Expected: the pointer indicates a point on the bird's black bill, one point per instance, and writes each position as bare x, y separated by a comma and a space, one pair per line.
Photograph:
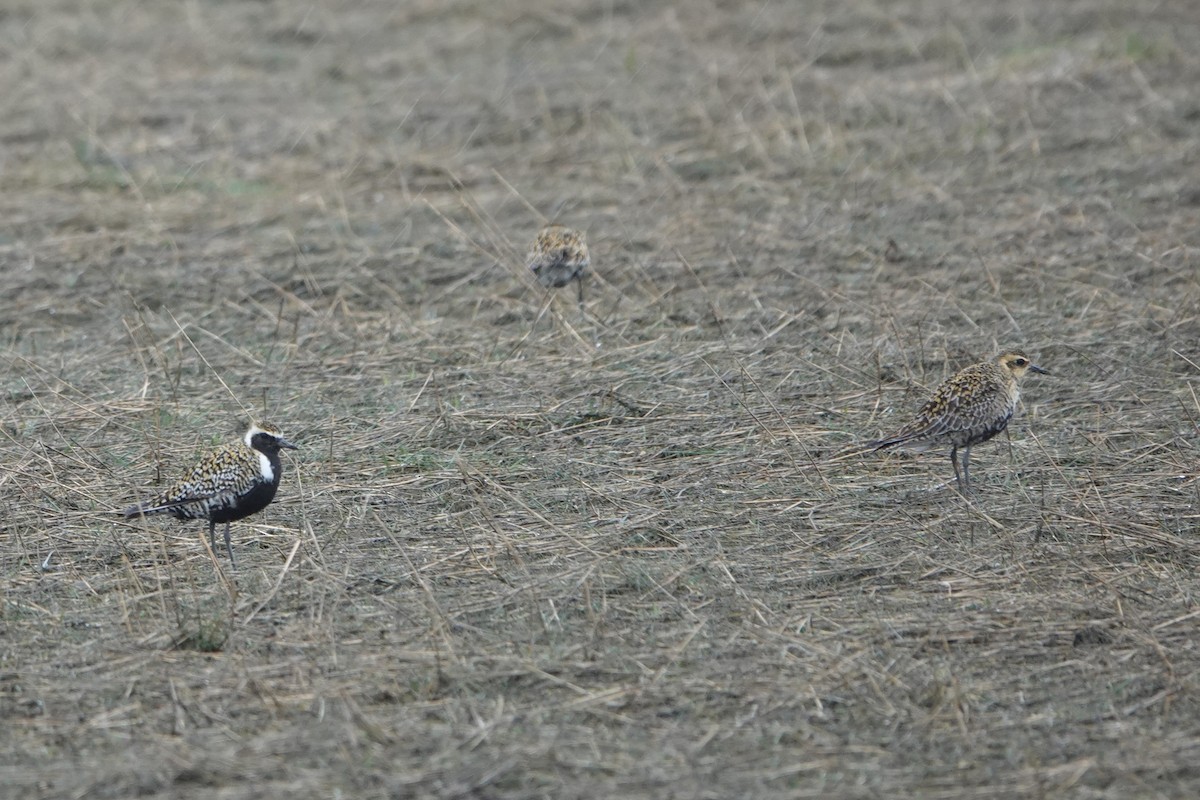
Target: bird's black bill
284, 443
1038, 370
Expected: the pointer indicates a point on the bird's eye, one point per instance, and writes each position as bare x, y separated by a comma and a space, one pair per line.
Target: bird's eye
1020, 362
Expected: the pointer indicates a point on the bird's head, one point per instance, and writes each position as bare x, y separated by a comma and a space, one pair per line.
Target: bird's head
266, 438
1017, 364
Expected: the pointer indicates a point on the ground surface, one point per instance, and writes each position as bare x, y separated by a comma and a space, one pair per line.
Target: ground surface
526, 551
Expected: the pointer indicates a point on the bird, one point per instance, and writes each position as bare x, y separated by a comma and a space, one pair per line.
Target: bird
231, 483
558, 256
970, 407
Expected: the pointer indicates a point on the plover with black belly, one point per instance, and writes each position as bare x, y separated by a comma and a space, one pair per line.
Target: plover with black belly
231, 483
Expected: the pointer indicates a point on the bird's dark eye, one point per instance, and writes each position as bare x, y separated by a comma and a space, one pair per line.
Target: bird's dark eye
1020, 362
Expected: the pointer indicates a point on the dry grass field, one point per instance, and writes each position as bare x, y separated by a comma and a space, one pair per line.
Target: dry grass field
528, 550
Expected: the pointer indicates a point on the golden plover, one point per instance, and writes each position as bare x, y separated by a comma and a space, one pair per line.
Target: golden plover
231, 483
970, 407
558, 256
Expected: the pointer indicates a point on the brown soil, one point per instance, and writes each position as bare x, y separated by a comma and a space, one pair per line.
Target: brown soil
533, 551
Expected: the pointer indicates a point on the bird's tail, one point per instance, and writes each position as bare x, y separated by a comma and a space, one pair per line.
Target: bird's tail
883, 444
862, 448
857, 449
148, 507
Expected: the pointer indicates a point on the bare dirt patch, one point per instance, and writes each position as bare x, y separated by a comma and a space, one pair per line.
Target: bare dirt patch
529, 551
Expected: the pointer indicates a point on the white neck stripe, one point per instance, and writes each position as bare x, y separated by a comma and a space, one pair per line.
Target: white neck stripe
265, 463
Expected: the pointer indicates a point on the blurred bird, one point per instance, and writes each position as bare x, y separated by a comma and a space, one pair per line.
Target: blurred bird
231, 483
970, 407
558, 256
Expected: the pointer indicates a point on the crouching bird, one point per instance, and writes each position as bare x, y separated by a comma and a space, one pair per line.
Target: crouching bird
231, 483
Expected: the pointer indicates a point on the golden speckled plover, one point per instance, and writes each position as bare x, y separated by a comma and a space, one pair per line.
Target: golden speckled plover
970, 407
558, 256
231, 483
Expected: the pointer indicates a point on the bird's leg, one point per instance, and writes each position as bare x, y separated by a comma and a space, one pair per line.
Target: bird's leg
229, 549
212, 535
954, 461
967, 466
579, 280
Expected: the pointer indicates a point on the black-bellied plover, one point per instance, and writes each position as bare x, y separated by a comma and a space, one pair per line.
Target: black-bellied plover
231, 483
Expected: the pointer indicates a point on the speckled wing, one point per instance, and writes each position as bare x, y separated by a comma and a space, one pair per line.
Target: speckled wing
972, 410
973, 405
216, 482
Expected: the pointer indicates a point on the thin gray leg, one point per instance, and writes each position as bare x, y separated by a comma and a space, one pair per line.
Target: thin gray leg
212, 535
967, 466
954, 461
229, 549
580, 281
